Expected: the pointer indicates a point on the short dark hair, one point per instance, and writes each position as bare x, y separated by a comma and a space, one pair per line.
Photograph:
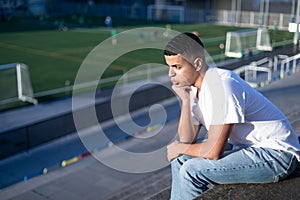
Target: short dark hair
181, 43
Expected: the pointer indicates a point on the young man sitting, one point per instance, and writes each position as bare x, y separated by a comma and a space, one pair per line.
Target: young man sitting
265, 146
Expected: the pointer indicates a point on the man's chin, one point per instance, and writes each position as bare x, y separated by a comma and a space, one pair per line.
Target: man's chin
183, 84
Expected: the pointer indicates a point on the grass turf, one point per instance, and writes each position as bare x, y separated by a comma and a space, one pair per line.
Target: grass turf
54, 56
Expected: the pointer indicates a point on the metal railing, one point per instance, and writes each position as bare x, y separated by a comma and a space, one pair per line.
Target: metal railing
267, 70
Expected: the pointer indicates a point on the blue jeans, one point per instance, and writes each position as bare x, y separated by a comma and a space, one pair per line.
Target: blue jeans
192, 176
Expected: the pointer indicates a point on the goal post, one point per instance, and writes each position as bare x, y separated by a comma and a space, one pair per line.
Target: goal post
15, 84
243, 42
166, 13
263, 40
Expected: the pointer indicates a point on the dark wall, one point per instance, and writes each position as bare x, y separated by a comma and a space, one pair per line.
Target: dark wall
32, 135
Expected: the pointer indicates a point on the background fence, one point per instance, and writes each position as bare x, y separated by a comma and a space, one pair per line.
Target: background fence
244, 18
138, 10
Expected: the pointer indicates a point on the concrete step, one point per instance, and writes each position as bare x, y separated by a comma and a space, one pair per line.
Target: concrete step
152, 187
163, 194
285, 190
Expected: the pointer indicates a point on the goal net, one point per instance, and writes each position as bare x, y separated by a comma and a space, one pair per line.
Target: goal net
245, 42
15, 84
166, 13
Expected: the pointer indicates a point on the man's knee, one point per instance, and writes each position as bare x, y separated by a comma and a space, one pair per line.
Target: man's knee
190, 169
198, 168
192, 178
179, 161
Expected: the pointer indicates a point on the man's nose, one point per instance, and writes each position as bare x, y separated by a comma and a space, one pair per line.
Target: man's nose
171, 72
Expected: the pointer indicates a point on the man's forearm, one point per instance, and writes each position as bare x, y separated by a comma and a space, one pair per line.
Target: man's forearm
186, 130
212, 148
202, 150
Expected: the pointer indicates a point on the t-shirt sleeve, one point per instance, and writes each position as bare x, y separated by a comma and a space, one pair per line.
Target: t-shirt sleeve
235, 108
229, 107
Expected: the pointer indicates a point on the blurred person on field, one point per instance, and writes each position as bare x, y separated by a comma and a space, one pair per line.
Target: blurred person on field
108, 21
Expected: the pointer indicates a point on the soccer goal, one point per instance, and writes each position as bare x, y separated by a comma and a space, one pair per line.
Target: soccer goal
165, 13
246, 42
15, 84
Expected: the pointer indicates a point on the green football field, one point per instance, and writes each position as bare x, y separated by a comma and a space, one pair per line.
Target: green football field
55, 56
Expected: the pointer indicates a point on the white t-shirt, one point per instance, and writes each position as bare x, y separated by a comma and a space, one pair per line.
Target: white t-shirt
225, 98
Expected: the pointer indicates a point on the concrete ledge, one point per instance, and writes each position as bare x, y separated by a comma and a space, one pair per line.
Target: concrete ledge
287, 189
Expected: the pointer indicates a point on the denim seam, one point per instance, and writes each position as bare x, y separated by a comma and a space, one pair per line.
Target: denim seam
285, 173
240, 166
276, 178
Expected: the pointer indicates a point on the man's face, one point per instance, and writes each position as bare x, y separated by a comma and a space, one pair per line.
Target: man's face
181, 72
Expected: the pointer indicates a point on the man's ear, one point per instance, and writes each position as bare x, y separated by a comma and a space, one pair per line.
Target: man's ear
198, 63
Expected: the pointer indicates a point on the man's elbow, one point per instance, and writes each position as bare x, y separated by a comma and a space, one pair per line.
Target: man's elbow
186, 140
212, 157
